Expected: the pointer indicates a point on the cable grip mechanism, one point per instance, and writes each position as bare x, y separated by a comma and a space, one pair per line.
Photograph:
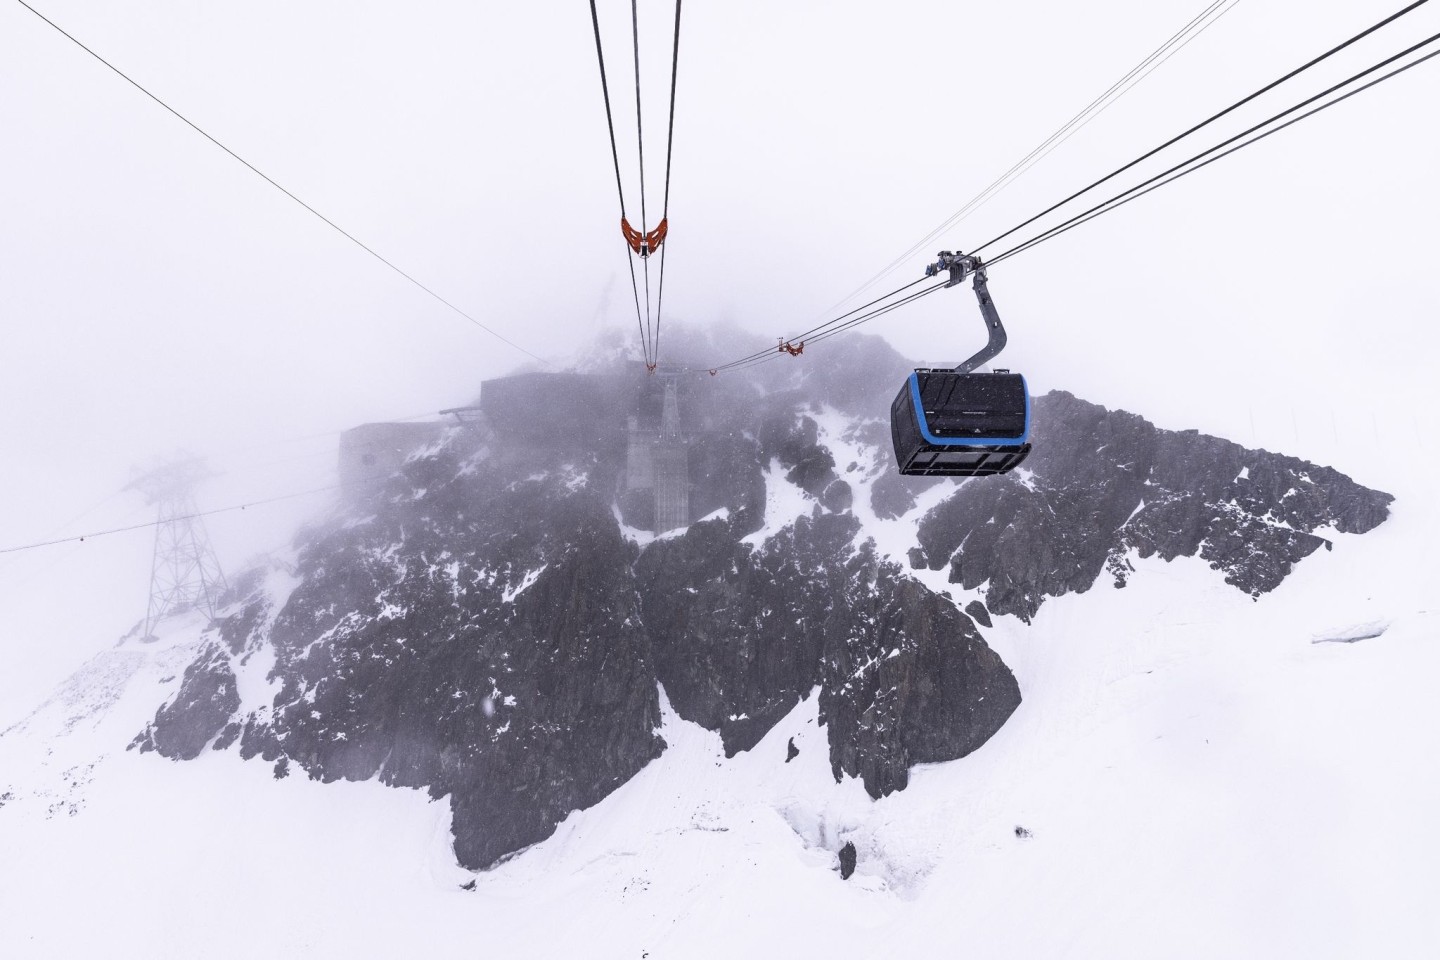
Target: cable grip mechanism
960, 266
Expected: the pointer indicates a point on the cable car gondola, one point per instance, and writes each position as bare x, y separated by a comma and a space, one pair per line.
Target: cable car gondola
958, 423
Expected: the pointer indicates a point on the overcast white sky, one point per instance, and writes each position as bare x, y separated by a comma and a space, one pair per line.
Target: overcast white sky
154, 294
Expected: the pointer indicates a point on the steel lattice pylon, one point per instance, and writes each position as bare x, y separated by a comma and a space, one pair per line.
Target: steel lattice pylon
184, 574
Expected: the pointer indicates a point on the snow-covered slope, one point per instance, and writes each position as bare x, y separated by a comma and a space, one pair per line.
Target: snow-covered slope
1199, 777
1194, 770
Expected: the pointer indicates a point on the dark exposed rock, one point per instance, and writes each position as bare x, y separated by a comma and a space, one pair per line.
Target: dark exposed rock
206, 701
978, 613
791, 751
847, 860
837, 497
727, 473
737, 631
1108, 482
893, 495
797, 447
239, 631
909, 680
481, 640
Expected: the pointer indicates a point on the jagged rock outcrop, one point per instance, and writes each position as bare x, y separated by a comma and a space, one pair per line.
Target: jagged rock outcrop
485, 626
739, 631
847, 860
1102, 483
206, 703
907, 680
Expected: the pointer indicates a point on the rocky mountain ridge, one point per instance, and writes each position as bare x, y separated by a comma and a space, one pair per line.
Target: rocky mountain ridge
488, 624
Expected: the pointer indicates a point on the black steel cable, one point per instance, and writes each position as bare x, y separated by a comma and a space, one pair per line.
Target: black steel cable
830, 329
609, 119
639, 114
191, 516
864, 318
1204, 123
619, 183
1172, 175
1074, 125
823, 326
660, 299
640, 146
878, 313
635, 290
1121, 199
992, 188
645, 267
670, 137
1140, 189
1256, 139
669, 154
767, 356
341, 230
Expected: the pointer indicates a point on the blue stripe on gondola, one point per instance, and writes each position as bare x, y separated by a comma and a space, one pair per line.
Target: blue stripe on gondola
965, 441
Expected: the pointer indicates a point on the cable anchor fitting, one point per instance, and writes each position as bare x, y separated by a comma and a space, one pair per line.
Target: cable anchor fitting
791, 348
644, 244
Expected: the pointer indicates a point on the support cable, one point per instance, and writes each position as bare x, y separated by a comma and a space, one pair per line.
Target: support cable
609, 118
639, 114
1159, 180
189, 516
831, 329
669, 153
659, 300
341, 230
1074, 125
640, 146
670, 136
816, 329
619, 183
635, 291
1169, 48
1204, 123
863, 318
1184, 169
866, 318
835, 327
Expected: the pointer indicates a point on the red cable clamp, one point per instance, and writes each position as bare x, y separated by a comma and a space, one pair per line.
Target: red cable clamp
644, 244
793, 349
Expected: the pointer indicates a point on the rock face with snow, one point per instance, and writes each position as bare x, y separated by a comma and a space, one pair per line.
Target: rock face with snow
487, 625
477, 635
1102, 483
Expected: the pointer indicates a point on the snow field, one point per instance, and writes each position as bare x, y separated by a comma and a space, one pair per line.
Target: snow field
1199, 777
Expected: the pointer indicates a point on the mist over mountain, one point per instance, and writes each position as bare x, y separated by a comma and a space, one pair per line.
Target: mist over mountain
497, 610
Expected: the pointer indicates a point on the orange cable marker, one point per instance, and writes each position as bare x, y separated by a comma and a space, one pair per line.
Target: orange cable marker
644, 244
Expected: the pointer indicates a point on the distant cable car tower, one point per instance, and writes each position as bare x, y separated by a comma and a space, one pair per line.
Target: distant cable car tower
184, 574
671, 458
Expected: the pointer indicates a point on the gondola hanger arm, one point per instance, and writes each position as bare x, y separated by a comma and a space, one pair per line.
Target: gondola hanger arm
960, 266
